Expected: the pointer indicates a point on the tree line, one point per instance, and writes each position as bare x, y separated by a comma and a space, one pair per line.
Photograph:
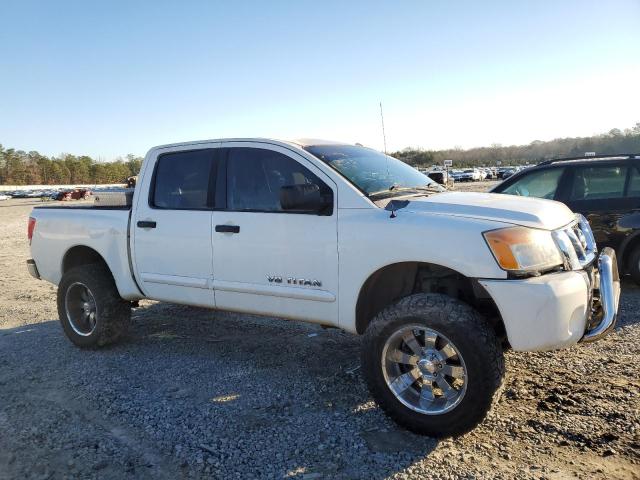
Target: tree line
614, 141
18, 167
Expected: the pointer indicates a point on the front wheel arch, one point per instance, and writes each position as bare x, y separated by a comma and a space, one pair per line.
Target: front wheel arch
393, 282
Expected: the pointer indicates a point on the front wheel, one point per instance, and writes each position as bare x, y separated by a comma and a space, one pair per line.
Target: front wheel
433, 364
90, 308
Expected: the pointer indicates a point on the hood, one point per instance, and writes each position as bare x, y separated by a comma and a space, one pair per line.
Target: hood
525, 211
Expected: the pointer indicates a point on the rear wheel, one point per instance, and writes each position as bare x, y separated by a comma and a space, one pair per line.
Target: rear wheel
91, 311
433, 364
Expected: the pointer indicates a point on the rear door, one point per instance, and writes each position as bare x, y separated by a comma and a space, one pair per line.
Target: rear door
267, 260
603, 193
172, 228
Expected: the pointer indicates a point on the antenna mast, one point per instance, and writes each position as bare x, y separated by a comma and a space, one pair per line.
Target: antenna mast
384, 138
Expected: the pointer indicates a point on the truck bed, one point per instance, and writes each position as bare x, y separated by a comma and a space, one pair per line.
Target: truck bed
104, 230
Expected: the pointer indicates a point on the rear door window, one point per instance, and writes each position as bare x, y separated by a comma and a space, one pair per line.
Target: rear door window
182, 180
633, 190
540, 184
594, 183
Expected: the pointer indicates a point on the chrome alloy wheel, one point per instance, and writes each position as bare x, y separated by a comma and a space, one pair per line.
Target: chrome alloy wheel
81, 309
424, 370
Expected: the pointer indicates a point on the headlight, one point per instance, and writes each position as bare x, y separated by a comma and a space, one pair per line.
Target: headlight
521, 249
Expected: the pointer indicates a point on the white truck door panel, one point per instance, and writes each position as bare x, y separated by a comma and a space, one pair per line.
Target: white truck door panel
268, 261
172, 230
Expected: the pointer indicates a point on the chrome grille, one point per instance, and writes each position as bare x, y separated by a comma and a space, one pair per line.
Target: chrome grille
576, 243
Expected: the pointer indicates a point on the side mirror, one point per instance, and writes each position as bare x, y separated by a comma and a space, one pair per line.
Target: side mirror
305, 197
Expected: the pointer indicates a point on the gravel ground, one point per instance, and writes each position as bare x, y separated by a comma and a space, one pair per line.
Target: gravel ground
192, 393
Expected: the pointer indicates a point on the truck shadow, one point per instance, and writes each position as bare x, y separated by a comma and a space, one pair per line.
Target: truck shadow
292, 392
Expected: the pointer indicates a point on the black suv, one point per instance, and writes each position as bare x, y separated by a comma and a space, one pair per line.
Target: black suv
604, 188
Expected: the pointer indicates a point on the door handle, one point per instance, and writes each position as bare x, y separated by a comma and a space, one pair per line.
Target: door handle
146, 224
228, 228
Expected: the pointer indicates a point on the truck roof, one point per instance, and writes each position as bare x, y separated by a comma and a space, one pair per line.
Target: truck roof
300, 142
592, 158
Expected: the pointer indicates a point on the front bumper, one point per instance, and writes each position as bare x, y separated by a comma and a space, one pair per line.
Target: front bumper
607, 290
559, 309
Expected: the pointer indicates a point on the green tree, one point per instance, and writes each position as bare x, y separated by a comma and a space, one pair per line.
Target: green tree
21, 168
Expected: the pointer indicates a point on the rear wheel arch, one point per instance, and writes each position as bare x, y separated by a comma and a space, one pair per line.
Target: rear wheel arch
81, 255
392, 282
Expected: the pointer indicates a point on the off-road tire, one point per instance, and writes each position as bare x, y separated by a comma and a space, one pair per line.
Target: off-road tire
469, 332
113, 313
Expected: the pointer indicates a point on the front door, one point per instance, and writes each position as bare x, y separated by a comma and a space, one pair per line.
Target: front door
267, 260
172, 229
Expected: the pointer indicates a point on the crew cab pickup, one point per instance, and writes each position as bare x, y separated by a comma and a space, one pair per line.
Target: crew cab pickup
438, 283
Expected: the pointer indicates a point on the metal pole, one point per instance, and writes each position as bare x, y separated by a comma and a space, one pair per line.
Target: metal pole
384, 137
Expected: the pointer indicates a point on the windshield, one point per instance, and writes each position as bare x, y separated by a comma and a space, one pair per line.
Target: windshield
369, 170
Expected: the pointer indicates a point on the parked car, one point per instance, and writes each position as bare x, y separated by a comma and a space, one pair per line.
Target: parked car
605, 189
4, 197
470, 175
75, 194
438, 283
441, 177
20, 194
506, 173
489, 173
456, 175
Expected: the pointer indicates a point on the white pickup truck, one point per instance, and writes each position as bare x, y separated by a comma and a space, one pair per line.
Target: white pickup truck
438, 283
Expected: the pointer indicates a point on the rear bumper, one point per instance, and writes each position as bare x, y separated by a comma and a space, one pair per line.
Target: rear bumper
559, 309
33, 269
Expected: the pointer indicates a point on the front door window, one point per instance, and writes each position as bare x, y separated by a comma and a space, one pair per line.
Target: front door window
541, 184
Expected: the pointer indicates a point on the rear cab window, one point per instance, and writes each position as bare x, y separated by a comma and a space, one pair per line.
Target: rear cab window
181, 180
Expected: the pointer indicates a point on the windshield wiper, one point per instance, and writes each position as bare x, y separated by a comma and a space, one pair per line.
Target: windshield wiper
395, 190
430, 188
